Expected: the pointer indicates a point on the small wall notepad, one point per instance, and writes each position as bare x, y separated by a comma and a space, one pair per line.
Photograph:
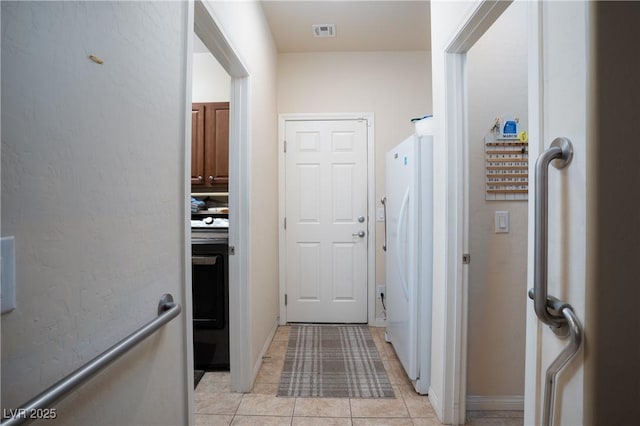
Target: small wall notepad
507, 169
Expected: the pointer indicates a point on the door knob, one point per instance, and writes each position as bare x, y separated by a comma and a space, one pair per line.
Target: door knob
360, 234
361, 219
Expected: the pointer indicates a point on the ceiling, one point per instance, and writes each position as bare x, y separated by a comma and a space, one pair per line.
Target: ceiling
361, 25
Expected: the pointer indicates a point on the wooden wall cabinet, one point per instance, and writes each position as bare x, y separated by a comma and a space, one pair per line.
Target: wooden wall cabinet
210, 147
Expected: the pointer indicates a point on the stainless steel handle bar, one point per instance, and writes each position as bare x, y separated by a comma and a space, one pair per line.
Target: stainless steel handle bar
575, 333
560, 153
555, 313
167, 310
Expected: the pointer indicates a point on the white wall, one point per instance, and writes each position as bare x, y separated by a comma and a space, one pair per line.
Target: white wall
395, 86
245, 26
210, 83
93, 189
496, 84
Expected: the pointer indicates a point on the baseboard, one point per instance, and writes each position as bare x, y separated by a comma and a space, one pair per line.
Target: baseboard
495, 403
263, 351
435, 403
378, 322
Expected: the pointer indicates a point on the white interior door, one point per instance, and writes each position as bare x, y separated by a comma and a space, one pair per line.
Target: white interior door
326, 221
562, 96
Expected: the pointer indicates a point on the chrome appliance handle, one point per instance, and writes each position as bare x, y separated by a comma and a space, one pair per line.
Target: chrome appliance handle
203, 260
403, 278
559, 154
384, 206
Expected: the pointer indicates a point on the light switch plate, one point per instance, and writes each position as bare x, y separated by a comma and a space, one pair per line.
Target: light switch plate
8, 265
502, 222
380, 214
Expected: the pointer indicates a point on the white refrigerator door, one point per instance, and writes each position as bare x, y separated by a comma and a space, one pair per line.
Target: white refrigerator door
402, 251
425, 265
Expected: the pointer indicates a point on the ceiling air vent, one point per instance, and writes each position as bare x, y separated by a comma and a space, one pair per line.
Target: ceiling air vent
324, 30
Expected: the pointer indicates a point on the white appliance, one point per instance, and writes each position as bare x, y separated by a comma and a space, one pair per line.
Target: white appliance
409, 249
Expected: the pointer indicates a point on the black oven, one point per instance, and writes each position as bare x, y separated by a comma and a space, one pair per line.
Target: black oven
210, 294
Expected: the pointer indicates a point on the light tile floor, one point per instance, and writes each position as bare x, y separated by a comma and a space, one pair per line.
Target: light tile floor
217, 405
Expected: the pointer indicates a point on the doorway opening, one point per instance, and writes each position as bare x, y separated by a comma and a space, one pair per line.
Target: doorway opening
208, 31
497, 164
211, 89
453, 353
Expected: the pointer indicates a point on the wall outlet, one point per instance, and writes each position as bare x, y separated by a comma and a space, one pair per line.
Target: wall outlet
381, 290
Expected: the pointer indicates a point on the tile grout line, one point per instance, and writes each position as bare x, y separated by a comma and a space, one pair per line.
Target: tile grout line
235, 413
293, 412
350, 412
405, 404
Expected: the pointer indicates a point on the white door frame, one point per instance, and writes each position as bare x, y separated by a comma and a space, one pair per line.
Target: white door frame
186, 257
371, 203
205, 24
454, 354
536, 147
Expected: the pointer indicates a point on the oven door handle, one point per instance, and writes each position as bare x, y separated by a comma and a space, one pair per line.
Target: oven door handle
204, 260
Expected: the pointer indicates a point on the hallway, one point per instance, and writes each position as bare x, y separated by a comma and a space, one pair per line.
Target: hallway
216, 405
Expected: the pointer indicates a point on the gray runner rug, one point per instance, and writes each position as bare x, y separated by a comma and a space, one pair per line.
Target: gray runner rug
336, 361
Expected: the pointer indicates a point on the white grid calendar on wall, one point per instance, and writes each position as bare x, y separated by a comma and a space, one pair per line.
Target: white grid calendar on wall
507, 169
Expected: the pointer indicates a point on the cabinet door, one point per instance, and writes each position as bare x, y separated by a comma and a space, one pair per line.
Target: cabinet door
197, 144
221, 149
217, 145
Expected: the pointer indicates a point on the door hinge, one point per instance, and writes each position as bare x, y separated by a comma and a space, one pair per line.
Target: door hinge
285, 300
285, 147
232, 250
466, 258
285, 223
